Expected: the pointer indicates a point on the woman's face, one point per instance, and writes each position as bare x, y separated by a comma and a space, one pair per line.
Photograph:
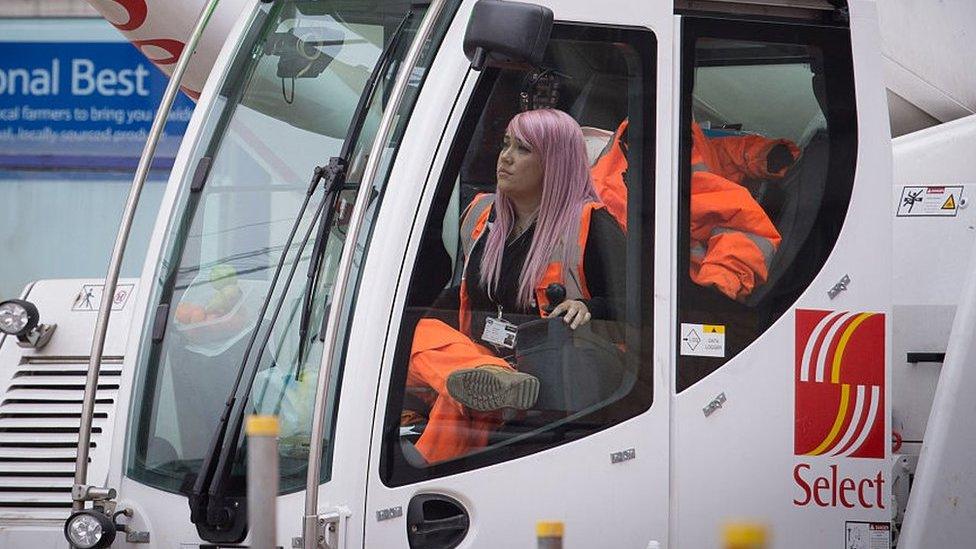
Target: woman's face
519, 170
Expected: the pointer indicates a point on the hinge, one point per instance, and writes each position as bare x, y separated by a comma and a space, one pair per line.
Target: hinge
159, 322
841, 286
327, 530
200, 174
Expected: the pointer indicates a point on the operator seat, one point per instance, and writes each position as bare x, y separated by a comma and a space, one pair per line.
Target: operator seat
794, 204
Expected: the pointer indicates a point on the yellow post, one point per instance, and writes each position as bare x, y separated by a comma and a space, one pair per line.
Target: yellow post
549, 534
262, 479
744, 535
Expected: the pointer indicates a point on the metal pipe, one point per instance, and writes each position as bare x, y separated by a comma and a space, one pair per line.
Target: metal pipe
344, 271
262, 479
115, 265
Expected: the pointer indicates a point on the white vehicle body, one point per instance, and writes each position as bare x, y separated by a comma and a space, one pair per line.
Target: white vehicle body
669, 474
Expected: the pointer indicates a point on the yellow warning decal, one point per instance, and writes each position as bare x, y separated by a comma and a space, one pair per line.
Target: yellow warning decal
950, 203
713, 328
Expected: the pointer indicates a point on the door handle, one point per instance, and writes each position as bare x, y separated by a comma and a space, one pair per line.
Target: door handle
436, 521
432, 526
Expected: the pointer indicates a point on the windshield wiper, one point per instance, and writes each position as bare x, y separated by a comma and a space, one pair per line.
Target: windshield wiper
335, 182
219, 518
216, 519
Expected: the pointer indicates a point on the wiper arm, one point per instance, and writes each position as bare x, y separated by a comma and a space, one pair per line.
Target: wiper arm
220, 519
216, 522
335, 182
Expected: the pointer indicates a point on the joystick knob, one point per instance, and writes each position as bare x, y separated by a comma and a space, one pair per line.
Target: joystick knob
556, 294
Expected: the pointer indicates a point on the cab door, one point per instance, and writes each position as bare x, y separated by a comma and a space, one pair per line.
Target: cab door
593, 452
792, 351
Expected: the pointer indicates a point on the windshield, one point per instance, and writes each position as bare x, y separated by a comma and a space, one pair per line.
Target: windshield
285, 107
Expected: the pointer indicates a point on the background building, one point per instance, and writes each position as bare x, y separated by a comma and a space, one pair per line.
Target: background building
76, 103
46, 8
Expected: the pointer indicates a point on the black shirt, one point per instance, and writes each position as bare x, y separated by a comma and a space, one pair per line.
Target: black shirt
603, 264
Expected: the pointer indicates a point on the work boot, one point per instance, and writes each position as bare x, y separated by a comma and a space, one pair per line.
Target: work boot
488, 388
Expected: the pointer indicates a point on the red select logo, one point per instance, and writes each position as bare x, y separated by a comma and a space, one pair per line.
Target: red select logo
839, 384
833, 489
839, 409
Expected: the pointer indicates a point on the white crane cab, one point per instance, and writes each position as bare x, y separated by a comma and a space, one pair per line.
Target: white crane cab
754, 393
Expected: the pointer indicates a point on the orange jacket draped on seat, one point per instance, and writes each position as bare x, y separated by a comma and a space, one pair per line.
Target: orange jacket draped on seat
732, 238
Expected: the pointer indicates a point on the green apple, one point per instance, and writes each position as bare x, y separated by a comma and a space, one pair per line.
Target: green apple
223, 276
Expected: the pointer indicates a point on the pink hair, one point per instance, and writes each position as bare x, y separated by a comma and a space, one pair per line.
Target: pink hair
566, 187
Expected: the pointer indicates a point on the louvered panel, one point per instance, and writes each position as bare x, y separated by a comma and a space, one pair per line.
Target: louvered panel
54, 497
11, 502
38, 455
39, 422
39, 437
74, 387
8, 407
76, 360
40, 396
40, 412
63, 369
73, 382
19, 483
20, 469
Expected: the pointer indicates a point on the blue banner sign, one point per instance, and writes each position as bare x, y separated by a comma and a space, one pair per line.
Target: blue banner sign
82, 105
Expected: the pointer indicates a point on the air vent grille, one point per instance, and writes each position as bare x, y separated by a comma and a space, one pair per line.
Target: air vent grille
40, 413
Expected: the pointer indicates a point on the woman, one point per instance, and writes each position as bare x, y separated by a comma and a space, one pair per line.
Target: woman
544, 226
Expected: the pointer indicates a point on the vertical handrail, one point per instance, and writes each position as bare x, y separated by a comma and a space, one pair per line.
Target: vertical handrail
79, 493
344, 271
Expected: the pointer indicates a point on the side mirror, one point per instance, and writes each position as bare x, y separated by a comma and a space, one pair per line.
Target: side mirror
502, 33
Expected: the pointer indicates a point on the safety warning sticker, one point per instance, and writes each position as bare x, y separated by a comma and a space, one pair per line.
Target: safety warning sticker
929, 201
90, 297
702, 340
867, 535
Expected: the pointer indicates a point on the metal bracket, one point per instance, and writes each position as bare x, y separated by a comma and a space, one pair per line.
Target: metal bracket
136, 537
714, 405
902, 475
85, 492
330, 530
37, 338
839, 287
390, 513
626, 455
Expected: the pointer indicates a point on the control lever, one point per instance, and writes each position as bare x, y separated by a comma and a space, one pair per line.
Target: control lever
556, 294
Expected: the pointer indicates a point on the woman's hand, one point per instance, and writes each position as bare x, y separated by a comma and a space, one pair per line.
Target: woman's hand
576, 313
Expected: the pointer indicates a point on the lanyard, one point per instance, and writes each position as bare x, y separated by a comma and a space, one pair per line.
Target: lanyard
491, 298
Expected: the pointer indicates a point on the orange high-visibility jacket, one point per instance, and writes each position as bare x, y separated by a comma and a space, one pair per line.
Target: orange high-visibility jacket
732, 238
438, 350
571, 274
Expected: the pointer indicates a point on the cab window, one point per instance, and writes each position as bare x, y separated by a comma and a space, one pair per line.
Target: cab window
559, 384
767, 161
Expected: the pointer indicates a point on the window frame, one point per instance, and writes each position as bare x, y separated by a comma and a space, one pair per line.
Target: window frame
229, 99
394, 469
834, 41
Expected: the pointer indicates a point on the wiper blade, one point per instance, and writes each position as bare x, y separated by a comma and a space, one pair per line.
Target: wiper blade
335, 182
220, 519
215, 521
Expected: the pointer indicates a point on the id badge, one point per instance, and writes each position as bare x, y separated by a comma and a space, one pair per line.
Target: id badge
500, 332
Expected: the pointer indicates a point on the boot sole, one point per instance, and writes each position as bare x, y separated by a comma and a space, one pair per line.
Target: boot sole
486, 391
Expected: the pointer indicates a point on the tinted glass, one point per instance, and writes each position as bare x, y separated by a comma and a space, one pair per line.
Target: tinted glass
767, 165
587, 379
285, 108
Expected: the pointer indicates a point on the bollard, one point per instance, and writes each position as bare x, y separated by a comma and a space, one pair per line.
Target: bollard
744, 535
549, 534
262, 479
